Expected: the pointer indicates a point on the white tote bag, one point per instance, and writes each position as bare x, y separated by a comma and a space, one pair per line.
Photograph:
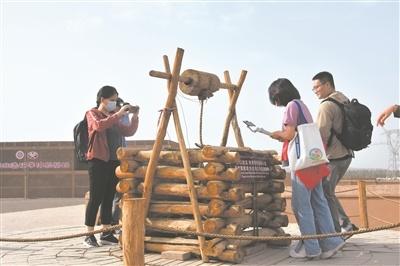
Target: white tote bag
306, 148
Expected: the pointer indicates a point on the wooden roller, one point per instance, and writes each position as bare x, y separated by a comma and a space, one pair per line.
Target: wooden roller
195, 81
198, 82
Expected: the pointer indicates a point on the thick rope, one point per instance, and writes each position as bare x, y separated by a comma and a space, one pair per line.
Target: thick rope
271, 238
346, 190
201, 122
239, 237
55, 238
341, 191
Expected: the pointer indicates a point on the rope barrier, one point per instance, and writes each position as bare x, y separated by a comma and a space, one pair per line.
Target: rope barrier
346, 190
341, 191
381, 197
56, 238
378, 219
213, 235
272, 238
239, 237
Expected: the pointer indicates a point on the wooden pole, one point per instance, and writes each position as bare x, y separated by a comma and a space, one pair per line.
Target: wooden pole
189, 176
162, 129
133, 231
234, 122
362, 203
232, 107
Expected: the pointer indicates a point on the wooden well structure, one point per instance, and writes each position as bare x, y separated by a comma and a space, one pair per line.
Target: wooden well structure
214, 189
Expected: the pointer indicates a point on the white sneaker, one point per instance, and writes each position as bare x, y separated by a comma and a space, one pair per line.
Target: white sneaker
332, 252
347, 228
298, 251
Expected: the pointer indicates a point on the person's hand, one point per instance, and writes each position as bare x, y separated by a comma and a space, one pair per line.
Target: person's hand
384, 115
277, 135
135, 109
123, 111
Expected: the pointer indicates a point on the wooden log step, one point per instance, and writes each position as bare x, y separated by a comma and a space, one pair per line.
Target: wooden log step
215, 208
235, 256
236, 243
127, 184
262, 201
280, 243
175, 158
253, 249
126, 153
182, 190
176, 255
257, 153
214, 168
278, 173
129, 165
276, 205
215, 188
230, 229
213, 247
178, 173
278, 221
270, 186
213, 151
172, 240
247, 220
211, 225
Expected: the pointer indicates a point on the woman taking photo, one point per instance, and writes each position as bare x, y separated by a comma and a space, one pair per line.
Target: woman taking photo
105, 137
309, 205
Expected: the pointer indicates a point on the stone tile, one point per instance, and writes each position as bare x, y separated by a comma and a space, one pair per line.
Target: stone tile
107, 262
382, 250
41, 262
384, 259
13, 260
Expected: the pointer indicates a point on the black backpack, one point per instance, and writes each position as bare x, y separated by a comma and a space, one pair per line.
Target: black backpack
81, 140
357, 128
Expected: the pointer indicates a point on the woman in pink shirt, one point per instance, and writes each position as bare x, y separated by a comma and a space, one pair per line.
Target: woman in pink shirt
309, 205
106, 132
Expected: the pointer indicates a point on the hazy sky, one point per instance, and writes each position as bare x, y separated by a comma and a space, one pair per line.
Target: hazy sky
55, 55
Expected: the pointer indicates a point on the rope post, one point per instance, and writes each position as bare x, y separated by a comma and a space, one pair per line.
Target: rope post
362, 203
133, 231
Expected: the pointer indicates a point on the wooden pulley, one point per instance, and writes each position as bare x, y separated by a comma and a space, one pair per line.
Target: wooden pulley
198, 83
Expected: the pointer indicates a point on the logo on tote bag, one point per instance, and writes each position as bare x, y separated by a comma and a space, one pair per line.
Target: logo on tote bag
315, 154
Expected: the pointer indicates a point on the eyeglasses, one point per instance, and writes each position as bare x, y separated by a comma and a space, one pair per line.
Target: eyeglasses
318, 86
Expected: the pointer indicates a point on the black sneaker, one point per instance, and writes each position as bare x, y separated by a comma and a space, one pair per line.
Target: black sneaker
90, 241
355, 228
350, 227
108, 239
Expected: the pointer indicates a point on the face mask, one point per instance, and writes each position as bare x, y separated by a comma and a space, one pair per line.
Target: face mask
111, 105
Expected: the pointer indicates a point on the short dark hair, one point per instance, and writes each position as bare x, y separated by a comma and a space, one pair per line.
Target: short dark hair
282, 91
105, 92
120, 102
325, 76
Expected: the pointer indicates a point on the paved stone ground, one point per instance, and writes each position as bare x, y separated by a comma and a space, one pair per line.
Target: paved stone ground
377, 248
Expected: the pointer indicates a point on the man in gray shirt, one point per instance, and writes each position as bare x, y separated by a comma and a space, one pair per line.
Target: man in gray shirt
329, 120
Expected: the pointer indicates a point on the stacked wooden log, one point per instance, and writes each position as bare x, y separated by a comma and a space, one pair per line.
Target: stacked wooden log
238, 190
